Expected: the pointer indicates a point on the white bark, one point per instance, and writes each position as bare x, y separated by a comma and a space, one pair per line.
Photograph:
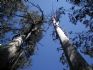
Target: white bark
14, 46
75, 60
61, 34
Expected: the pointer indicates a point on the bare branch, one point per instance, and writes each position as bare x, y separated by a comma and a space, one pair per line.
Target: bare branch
38, 7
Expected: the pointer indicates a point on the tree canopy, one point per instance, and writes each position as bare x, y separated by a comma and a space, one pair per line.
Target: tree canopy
21, 28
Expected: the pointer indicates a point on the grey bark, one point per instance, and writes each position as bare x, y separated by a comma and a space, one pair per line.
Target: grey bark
10, 52
74, 58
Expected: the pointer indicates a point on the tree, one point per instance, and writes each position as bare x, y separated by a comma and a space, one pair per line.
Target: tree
85, 16
75, 60
23, 43
14, 54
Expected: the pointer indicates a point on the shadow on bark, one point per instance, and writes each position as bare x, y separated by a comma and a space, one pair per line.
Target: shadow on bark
22, 46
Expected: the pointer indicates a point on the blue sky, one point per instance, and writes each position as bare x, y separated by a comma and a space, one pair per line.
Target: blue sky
47, 57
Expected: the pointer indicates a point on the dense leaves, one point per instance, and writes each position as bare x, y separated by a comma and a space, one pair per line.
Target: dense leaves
83, 15
16, 20
8, 10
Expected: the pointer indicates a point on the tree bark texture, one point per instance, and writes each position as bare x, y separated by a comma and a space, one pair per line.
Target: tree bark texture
75, 60
9, 53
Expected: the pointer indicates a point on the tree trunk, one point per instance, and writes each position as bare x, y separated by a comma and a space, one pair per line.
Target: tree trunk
75, 60
9, 53
12, 52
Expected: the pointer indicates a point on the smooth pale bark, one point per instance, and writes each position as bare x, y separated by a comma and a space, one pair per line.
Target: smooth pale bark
10, 52
14, 46
75, 60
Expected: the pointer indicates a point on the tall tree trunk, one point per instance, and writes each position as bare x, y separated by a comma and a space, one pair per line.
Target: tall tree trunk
10, 53
75, 60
